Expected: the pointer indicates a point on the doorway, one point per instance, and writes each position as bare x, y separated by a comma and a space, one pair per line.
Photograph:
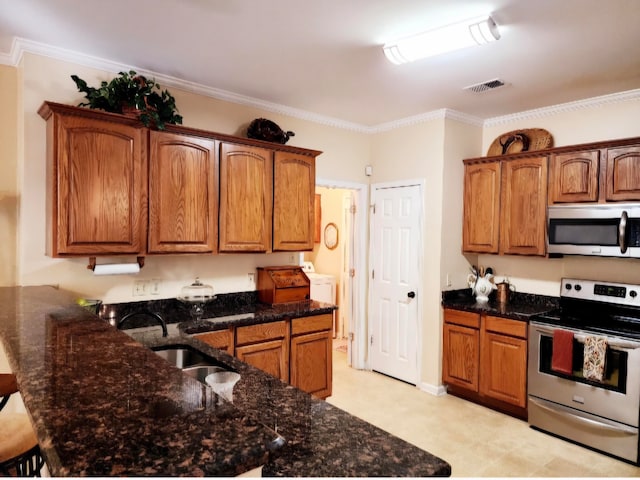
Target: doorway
344, 205
396, 282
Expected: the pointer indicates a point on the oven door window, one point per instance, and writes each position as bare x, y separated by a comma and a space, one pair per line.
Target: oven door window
615, 375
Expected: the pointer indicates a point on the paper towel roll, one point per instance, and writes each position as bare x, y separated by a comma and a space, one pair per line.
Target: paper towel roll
116, 269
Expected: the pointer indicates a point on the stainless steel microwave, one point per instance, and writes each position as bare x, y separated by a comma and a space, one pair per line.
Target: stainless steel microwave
606, 230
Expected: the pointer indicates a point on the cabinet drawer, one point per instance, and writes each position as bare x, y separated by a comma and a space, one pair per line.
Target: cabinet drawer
466, 319
505, 326
261, 332
218, 339
311, 324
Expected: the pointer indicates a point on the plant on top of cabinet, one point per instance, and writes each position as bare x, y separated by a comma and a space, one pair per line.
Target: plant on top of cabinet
132, 93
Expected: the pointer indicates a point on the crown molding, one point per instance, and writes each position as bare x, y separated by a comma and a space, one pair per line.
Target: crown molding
594, 102
20, 46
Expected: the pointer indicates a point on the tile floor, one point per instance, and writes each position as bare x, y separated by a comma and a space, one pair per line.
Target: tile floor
476, 441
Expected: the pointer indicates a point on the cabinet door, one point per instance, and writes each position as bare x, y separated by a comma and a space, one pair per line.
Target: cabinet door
504, 368
573, 177
271, 357
97, 186
623, 173
293, 202
481, 219
524, 206
246, 181
461, 349
311, 363
183, 200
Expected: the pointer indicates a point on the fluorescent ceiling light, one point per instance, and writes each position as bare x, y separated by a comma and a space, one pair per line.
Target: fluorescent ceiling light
475, 31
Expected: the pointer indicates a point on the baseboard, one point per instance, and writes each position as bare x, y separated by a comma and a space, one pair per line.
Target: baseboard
437, 390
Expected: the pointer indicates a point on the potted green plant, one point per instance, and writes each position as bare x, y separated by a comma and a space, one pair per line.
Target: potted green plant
130, 93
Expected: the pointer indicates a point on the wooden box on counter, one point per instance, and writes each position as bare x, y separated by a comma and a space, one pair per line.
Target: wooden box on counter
282, 284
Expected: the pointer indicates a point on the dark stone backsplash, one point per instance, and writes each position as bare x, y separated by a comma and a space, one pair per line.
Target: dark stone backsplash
173, 310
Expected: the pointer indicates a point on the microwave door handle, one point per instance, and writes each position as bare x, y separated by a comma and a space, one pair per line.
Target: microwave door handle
622, 232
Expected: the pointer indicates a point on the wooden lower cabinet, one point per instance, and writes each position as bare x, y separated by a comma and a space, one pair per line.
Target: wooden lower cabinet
265, 346
503, 367
311, 354
461, 356
297, 351
485, 360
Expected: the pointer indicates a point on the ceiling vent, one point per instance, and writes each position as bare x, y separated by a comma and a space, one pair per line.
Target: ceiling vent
485, 86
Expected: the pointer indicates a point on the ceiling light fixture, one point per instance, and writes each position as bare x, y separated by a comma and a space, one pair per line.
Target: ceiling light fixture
475, 31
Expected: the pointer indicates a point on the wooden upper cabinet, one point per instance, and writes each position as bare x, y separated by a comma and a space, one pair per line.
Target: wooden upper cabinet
524, 206
573, 177
96, 185
481, 208
623, 174
183, 196
293, 202
246, 189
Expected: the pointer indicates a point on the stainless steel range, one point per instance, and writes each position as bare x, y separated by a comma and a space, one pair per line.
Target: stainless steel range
567, 397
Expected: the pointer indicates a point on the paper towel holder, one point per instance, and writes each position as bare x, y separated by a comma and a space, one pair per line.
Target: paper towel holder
92, 262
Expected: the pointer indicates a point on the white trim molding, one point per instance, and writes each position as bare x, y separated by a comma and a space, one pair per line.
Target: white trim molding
594, 102
20, 46
437, 390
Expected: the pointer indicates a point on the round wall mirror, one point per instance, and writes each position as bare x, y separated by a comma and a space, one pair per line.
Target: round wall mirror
331, 236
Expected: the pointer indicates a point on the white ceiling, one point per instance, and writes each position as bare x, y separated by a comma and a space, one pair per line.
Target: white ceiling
325, 56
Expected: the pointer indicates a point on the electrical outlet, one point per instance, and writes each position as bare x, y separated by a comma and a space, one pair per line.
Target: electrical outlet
252, 279
448, 280
140, 288
292, 259
154, 288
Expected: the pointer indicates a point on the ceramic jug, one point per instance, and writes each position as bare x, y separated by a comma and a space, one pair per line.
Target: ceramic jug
481, 287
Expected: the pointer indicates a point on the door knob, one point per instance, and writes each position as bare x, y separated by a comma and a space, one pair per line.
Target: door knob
411, 294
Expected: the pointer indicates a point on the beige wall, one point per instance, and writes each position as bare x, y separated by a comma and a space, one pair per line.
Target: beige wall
325, 260
344, 157
430, 152
8, 173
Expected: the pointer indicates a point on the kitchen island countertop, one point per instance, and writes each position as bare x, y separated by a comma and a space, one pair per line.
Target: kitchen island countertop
104, 404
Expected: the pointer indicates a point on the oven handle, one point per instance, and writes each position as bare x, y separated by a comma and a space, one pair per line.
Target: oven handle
570, 414
612, 342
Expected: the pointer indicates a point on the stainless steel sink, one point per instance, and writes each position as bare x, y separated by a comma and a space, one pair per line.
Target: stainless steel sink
184, 356
192, 362
200, 373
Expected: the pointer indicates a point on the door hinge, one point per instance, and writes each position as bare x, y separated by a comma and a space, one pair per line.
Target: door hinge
371, 340
352, 209
373, 274
373, 208
352, 272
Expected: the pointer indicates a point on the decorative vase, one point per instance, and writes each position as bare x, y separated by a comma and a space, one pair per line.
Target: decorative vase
481, 287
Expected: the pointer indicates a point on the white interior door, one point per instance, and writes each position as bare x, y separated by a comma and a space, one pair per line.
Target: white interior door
393, 337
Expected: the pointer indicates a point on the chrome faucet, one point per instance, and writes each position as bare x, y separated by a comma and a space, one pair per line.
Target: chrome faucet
148, 313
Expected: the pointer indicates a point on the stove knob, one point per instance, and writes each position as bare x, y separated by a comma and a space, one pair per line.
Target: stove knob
567, 286
578, 288
633, 294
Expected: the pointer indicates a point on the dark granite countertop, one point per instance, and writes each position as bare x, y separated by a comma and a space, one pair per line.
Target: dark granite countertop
104, 404
521, 306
